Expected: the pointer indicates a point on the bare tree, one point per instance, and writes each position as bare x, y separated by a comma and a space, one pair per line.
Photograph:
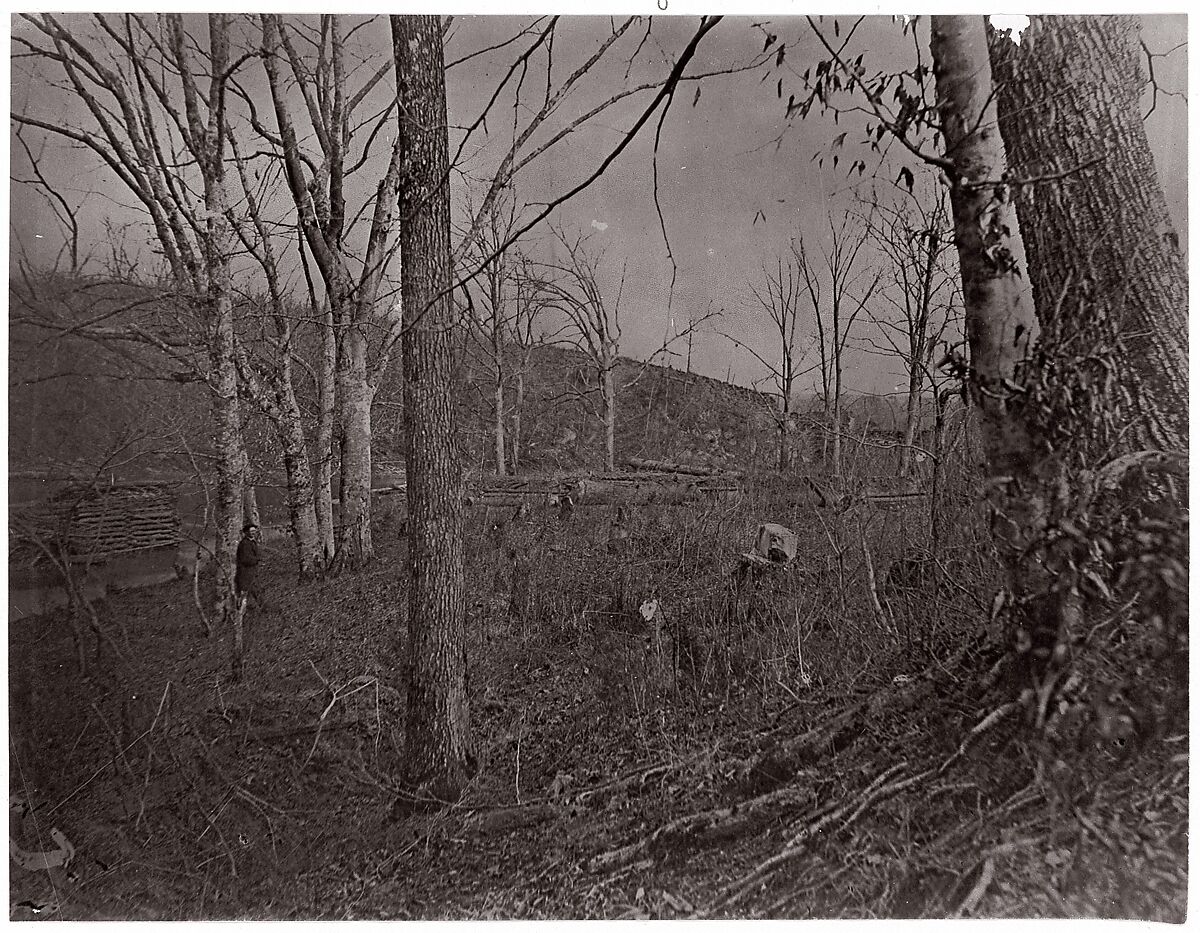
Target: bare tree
779, 298
493, 306
165, 137
66, 211
915, 237
438, 751
529, 301
267, 377
351, 281
576, 291
838, 291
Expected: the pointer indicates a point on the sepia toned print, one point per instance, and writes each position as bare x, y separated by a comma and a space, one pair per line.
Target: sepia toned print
598, 467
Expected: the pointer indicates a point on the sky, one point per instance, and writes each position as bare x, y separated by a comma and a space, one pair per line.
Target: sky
736, 181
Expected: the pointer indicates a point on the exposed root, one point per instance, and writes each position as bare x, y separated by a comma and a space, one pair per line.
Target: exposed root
720, 818
841, 818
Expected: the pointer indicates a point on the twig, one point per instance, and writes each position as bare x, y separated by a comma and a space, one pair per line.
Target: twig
690, 823
1095, 831
205, 622
875, 792
119, 753
876, 606
362, 682
797, 845
150, 759
984, 725
971, 901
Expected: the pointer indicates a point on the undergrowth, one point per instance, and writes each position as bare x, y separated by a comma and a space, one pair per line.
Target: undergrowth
659, 736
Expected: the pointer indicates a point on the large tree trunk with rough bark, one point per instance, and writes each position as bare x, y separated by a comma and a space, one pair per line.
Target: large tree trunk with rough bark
439, 758
1099, 238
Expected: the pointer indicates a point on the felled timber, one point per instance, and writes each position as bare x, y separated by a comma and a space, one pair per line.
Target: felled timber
808, 491
897, 500
647, 488
97, 523
600, 489
665, 466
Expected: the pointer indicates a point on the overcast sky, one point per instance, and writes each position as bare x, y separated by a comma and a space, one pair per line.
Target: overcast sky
736, 181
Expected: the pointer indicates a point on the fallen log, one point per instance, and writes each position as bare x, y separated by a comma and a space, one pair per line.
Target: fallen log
664, 466
601, 489
642, 488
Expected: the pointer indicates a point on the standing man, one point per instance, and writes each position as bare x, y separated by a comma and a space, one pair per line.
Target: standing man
247, 565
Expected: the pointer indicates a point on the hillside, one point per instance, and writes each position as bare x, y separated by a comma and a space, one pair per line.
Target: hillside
662, 413
78, 406
75, 406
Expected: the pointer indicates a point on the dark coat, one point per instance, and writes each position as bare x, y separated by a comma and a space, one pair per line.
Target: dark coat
247, 564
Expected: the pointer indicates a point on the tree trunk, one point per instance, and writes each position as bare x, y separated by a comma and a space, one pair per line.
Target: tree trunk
439, 758
610, 416
498, 394
837, 428
912, 413
785, 436
519, 407
323, 441
354, 539
940, 401
223, 381
1000, 320
302, 513
1100, 240
250, 513
231, 458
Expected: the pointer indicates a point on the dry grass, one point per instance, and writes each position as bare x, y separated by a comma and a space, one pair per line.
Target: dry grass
628, 770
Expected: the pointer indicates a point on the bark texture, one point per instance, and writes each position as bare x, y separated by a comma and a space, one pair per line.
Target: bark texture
1000, 319
217, 246
354, 547
438, 752
518, 409
323, 440
301, 504
498, 384
1000, 325
1099, 238
609, 391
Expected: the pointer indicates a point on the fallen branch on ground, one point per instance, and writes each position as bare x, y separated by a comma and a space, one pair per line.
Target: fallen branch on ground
839, 820
718, 818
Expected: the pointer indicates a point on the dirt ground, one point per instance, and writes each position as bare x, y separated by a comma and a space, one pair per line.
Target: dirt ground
606, 789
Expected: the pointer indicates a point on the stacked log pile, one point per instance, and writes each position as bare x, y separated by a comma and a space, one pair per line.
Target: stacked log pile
98, 523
